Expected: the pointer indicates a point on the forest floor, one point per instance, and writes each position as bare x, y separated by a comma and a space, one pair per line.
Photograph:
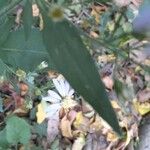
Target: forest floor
58, 118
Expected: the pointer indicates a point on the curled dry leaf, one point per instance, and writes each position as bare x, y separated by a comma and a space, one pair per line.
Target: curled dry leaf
142, 108
96, 125
35, 10
87, 109
41, 115
22, 111
112, 137
66, 122
52, 74
94, 34
108, 82
52, 128
79, 143
81, 123
23, 88
65, 126
143, 95
95, 14
72, 115
19, 101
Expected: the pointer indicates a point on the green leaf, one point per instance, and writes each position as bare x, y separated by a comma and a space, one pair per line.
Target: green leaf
27, 18
8, 8
3, 68
5, 26
40, 129
3, 141
26, 55
17, 130
3, 3
72, 59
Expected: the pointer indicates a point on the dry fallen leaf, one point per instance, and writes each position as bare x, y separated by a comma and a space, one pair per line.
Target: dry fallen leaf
35, 10
65, 126
108, 82
96, 15
52, 128
22, 111
96, 125
94, 34
23, 88
112, 137
142, 108
79, 143
143, 95
41, 115
81, 123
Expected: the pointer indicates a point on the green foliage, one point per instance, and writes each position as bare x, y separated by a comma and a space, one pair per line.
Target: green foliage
19, 53
3, 141
72, 59
27, 18
62, 47
3, 3
17, 130
7, 8
40, 129
5, 26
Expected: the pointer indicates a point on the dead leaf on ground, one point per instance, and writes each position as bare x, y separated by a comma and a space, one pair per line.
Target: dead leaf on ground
52, 128
41, 115
96, 125
81, 123
144, 95
35, 10
65, 126
79, 143
108, 82
142, 108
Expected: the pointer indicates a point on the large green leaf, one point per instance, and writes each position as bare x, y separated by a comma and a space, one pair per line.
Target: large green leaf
5, 26
72, 59
3, 68
17, 130
3, 3
19, 53
3, 141
8, 6
27, 18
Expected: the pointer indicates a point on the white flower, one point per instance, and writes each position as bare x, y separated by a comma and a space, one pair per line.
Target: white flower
61, 98
64, 89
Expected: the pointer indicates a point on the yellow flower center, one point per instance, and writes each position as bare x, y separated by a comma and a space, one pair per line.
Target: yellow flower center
56, 13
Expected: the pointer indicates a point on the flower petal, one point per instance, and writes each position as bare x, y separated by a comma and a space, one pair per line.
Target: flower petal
57, 85
67, 87
54, 95
52, 109
71, 92
62, 85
